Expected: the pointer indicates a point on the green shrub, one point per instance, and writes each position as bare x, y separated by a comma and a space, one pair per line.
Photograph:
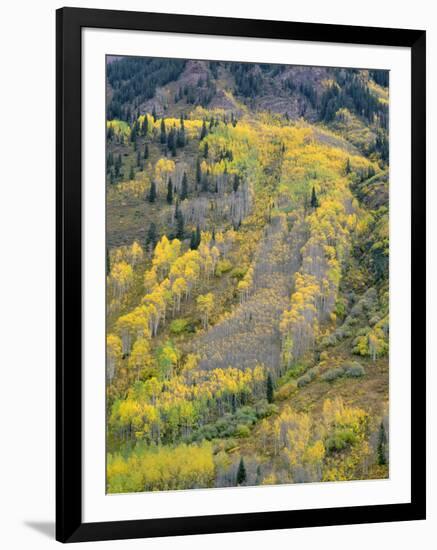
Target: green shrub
303, 381
313, 372
239, 272
242, 430
354, 370
308, 377
286, 391
223, 266
264, 409
332, 374
178, 326
340, 440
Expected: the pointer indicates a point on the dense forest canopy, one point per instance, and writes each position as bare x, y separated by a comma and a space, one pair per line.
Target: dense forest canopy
247, 274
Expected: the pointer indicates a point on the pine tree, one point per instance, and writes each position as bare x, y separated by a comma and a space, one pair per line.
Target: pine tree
138, 158
269, 389
118, 165
314, 200
180, 142
198, 173
193, 243
151, 237
132, 173
236, 183
348, 168
133, 133
170, 191
171, 142
180, 230
241, 472
145, 126
196, 237
108, 263
204, 131
154, 114
146, 151
205, 151
233, 404
381, 445
152, 192
163, 138
184, 192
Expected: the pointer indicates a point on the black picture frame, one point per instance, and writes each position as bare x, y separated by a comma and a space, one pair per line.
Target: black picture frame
69, 525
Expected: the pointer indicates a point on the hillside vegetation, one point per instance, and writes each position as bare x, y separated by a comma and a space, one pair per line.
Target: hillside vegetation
247, 274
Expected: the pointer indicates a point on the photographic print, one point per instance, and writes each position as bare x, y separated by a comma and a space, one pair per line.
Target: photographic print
247, 274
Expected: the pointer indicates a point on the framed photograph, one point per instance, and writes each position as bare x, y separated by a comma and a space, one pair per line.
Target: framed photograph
240, 275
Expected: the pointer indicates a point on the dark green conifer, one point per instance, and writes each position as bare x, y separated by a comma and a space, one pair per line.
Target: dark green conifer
152, 192
314, 199
163, 137
170, 191
108, 263
151, 237
269, 388
382, 441
204, 131
184, 191
241, 472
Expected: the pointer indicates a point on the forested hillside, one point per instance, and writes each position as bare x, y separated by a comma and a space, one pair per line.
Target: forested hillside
247, 274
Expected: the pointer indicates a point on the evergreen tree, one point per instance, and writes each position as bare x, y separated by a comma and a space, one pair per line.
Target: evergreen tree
236, 183
163, 137
198, 173
193, 241
382, 440
118, 165
108, 262
348, 168
180, 230
205, 150
138, 158
241, 472
133, 133
132, 173
314, 199
184, 192
171, 142
151, 237
152, 192
170, 191
145, 126
146, 151
212, 234
204, 131
154, 114
269, 389
180, 142
233, 404
196, 237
